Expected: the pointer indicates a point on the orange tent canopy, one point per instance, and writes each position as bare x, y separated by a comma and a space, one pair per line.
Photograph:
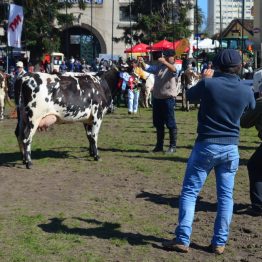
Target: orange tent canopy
177, 43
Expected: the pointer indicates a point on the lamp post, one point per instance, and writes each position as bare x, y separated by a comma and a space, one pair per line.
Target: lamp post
220, 17
150, 32
196, 19
92, 38
130, 24
242, 34
173, 24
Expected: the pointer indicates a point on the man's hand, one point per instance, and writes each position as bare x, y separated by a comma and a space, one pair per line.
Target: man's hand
162, 60
208, 73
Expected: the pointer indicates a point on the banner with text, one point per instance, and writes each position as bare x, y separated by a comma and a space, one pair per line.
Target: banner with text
15, 25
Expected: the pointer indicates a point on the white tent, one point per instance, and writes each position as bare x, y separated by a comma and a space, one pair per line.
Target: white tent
206, 43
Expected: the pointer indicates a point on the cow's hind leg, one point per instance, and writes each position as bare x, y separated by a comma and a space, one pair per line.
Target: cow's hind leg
2, 106
88, 129
1, 113
92, 135
18, 135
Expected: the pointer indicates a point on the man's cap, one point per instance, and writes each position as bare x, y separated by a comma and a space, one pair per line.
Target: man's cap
20, 64
169, 52
227, 58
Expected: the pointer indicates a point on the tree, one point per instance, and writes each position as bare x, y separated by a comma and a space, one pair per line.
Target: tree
159, 19
42, 24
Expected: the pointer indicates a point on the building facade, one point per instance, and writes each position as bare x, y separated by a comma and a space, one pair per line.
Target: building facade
257, 30
95, 27
230, 9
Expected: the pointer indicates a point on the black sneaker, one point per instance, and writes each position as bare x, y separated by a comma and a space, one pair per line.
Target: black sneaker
254, 210
157, 149
171, 150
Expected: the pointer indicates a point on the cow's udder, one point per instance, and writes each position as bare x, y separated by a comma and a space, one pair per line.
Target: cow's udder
46, 122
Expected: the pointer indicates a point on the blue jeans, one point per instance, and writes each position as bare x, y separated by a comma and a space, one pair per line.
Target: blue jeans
133, 100
205, 156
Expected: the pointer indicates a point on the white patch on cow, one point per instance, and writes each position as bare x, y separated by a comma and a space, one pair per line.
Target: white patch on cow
89, 95
97, 92
93, 90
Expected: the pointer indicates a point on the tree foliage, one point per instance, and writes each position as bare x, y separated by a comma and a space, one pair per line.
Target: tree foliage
159, 19
42, 23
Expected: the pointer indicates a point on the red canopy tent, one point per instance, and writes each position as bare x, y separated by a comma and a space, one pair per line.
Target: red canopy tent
139, 48
161, 46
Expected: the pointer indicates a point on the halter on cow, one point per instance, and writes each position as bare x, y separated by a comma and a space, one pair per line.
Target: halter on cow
43, 99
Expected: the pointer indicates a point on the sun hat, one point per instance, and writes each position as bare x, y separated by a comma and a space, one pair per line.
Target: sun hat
124, 65
20, 64
227, 58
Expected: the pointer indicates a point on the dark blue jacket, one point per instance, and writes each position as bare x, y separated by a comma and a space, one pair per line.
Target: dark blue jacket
223, 99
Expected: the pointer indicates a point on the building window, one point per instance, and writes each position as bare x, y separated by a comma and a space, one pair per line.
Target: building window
124, 14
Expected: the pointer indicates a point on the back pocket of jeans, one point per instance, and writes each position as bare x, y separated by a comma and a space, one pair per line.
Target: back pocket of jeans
232, 165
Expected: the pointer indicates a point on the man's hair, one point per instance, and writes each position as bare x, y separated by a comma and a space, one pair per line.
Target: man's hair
234, 70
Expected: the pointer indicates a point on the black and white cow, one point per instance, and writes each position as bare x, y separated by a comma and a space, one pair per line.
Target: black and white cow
43, 99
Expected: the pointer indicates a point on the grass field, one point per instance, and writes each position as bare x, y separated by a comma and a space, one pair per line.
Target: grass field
71, 208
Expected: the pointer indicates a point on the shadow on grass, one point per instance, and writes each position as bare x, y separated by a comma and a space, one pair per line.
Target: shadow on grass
11, 159
201, 205
243, 162
165, 158
121, 150
247, 147
103, 230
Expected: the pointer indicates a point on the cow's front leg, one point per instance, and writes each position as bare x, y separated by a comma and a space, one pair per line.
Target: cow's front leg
27, 153
28, 133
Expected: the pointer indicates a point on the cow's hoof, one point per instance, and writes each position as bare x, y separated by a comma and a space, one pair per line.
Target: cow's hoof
97, 158
29, 165
24, 162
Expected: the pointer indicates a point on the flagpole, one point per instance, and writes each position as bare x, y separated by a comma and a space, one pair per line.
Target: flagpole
150, 44
7, 48
67, 46
112, 43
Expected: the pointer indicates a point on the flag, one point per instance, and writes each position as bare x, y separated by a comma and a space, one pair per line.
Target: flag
15, 25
